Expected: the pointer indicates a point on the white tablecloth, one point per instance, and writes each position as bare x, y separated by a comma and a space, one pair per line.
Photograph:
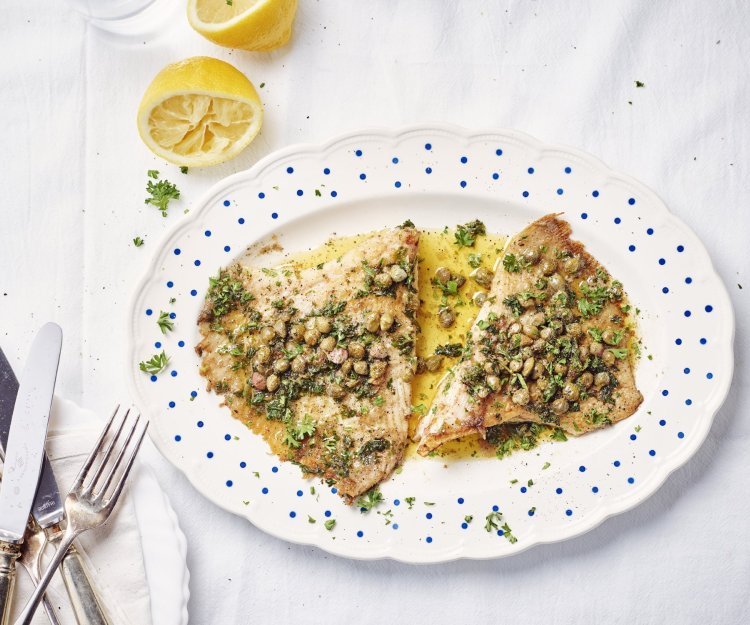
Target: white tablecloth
73, 174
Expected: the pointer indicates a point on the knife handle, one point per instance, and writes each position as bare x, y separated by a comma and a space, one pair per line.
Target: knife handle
85, 603
9, 553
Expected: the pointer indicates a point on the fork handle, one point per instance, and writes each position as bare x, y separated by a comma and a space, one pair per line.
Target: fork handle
9, 553
85, 603
28, 612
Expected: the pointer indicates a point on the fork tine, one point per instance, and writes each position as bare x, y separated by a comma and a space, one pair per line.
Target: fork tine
105, 458
124, 476
90, 460
118, 460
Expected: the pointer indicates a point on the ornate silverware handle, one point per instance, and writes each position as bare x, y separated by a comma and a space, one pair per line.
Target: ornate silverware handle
85, 603
9, 553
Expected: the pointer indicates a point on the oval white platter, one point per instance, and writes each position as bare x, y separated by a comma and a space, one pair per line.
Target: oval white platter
440, 176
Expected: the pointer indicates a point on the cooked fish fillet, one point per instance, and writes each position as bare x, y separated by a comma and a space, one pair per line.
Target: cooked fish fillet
551, 345
320, 359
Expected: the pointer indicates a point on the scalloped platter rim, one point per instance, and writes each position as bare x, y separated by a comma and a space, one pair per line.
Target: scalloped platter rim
440, 175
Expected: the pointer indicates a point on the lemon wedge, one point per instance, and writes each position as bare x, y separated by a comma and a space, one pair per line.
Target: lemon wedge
199, 112
246, 24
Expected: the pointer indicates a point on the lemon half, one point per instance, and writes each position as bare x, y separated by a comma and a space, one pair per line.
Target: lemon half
199, 112
246, 24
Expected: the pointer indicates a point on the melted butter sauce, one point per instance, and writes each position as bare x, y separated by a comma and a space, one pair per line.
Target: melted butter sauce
437, 248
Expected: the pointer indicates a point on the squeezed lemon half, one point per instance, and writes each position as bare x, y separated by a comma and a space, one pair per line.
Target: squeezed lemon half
199, 112
246, 24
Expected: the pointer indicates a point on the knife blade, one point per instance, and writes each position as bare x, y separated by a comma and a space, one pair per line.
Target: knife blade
48, 506
24, 453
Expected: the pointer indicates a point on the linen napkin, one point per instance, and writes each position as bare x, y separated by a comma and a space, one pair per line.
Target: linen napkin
112, 553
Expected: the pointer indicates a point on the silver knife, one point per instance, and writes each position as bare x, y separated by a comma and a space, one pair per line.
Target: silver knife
24, 454
48, 512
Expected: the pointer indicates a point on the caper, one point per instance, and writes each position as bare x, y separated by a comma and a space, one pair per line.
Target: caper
272, 382
536, 319
337, 356
530, 255
377, 369
560, 406
583, 352
336, 391
397, 273
446, 317
482, 392
548, 266
372, 322
361, 367
327, 344
528, 366
546, 333
521, 340
561, 368
285, 316
586, 379
281, 365
609, 337
312, 337
346, 368
596, 348
267, 334
556, 282
479, 298
601, 379
542, 383
443, 274
280, 328
521, 397
298, 364
352, 382
537, 346
527, 352
433, 363
386, 322
608, 358
538, 371
297, 331
574, 329
356, 350
531, 331
572, 264
482, 276
557, 326
263, 354
570, 391
493, 382
383, 280
323, 325
459, 280
515, 366
541, 284
514, 328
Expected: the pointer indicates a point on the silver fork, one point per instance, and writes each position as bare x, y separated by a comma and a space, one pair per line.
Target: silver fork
85, 507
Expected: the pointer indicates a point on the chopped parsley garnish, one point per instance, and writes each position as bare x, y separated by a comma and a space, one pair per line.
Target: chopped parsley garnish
153, 173
156, 364
330, 524
468, 518
183, 169
514, 264
596, 334
310, 519
296, 433
546, 466
161, 193
226, 293
492, 520
419, 409
467, 234
410, 501
514, 305
508, 533
475, 260
369, 500
450, 287
452, 350
164, 322
138, 241
639, 84
620, 353
558, 435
